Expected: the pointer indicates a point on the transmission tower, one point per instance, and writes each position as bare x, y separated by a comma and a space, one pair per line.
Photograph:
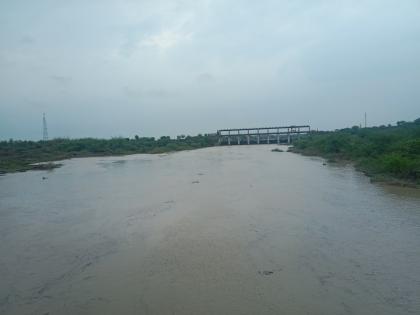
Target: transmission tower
45, 130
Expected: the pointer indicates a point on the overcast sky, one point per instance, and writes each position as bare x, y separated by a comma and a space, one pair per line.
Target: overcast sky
104, 68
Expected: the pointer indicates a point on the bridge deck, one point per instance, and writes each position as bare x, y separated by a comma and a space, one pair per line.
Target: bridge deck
267, 128
259, 135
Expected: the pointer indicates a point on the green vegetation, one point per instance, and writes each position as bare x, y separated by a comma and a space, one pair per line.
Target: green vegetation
390, 153
20, 155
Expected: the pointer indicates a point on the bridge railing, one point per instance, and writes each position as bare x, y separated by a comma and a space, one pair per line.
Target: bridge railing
259, 135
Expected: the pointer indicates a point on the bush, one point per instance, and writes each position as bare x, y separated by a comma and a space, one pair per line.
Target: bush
392, 150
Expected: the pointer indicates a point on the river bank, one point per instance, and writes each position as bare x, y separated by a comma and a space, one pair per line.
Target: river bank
373, 176
21, 156
388, 154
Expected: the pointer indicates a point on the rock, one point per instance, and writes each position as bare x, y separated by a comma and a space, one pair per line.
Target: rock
265, 272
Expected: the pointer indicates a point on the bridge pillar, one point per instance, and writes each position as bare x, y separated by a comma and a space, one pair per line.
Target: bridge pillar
274, 134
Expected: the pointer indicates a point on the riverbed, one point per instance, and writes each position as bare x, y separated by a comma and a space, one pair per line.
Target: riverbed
221, 230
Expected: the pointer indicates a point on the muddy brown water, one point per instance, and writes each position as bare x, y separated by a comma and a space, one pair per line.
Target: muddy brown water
223, 230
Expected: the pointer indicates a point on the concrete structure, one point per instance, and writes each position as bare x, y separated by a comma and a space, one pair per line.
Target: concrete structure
266, 135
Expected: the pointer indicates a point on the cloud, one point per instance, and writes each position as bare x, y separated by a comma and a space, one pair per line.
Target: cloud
205, 78
165, 39
323, 62
27, 40
151, 93
62, 80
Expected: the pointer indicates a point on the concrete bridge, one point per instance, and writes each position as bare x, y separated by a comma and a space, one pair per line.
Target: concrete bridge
264, 135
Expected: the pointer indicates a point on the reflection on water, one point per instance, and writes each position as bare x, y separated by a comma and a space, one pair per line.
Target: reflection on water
225, 230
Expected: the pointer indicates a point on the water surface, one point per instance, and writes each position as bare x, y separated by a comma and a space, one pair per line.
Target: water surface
223, 230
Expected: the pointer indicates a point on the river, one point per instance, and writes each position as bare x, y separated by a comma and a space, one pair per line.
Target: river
222, 230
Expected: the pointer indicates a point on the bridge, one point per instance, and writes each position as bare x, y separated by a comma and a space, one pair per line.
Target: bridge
264, 135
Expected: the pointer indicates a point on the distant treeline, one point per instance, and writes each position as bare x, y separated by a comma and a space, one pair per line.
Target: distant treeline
17, 155
385, 152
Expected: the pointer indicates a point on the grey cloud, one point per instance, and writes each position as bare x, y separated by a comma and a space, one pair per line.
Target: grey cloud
148, 93
205, 78
27, 40
131, 63
62, 80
